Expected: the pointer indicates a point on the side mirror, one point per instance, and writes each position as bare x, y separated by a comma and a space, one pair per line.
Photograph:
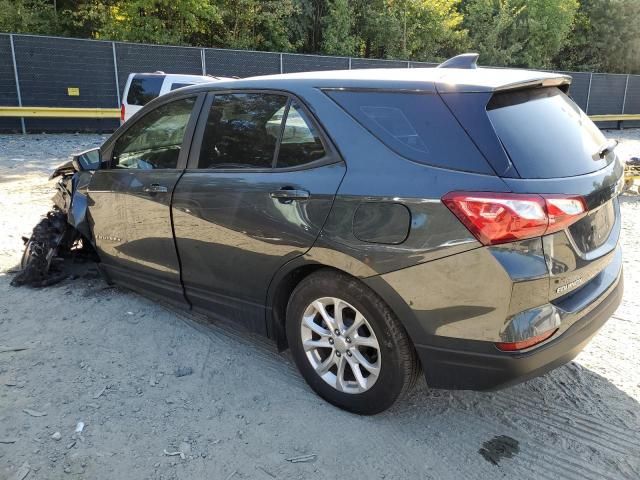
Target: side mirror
87, 160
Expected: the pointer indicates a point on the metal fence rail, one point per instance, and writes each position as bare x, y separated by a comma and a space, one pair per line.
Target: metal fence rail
48, 75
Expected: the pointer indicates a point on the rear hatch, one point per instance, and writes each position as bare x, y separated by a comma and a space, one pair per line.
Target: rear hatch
549, 146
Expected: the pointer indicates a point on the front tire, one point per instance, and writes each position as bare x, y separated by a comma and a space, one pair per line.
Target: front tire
348, 345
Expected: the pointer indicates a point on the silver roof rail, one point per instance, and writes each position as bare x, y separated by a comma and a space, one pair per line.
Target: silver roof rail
466, 60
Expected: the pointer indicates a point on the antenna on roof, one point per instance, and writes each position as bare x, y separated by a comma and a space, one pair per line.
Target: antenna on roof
466, 60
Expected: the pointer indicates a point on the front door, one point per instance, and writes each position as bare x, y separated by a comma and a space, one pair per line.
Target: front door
130, 202
262, 184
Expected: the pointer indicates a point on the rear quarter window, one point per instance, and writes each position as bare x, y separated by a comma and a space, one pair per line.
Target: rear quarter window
417, 126
144, 89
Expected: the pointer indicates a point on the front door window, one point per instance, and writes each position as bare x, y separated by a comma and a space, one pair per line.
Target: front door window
155, 140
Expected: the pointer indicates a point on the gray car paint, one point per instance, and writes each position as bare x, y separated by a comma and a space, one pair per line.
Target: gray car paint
237, 248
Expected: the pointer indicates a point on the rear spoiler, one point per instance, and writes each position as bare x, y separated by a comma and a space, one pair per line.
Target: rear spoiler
563, 82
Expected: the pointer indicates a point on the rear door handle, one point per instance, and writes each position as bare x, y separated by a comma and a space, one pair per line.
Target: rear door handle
155, 188
290, 194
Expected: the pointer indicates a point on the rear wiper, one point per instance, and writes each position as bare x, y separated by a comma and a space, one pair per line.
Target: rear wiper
607, 148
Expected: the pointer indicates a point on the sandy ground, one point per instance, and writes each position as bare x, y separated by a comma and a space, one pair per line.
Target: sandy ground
108, 358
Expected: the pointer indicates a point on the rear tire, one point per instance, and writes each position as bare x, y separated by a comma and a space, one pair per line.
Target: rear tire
348, 344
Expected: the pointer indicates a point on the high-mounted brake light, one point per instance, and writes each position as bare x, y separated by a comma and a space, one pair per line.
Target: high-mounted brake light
506, 217
122, 112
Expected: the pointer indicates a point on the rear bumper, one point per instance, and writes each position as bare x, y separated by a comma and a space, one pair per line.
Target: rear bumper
478, 365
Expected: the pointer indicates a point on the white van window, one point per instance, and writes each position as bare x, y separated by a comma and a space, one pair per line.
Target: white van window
143, 89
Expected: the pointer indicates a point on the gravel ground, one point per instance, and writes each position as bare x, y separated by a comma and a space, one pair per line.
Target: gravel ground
108, 357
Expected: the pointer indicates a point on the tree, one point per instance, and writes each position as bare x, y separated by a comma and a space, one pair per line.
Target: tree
163, 21
605, 37
27, 16
523, 33
431, 30
257, 24
338, 36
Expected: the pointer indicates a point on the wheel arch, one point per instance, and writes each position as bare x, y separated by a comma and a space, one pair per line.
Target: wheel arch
282, 285
293, 272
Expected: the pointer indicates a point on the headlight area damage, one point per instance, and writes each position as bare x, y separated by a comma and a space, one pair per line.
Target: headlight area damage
61, 234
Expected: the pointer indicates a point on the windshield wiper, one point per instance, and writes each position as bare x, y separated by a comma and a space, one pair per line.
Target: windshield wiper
607, 148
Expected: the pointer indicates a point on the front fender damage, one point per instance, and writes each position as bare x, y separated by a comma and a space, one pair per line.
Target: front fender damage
63, 232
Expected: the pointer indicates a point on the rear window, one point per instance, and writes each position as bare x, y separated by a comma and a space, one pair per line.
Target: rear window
144, 89
545, 134
417, 126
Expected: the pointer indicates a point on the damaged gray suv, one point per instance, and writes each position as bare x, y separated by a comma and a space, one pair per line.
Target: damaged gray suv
458, 221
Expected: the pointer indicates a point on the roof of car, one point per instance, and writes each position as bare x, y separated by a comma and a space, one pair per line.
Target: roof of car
441, 79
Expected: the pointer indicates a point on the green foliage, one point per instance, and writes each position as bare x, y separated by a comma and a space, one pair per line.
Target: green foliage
601, 35
27, 16
519, 32
162, 21
605, 37
338, 38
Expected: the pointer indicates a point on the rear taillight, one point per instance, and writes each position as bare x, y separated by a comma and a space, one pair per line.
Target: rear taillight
523, 344
122, 112
506, 217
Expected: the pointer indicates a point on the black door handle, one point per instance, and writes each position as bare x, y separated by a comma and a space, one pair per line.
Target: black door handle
155, 188
290, 194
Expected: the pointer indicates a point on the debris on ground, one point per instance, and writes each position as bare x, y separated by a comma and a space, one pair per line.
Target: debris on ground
22, 472
302, 458
56, 436
8, 440
97, 395
184, 371
34, 413
173, 454
12, 349
79, 427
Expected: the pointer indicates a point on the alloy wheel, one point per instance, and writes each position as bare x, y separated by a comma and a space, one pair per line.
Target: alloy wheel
340, 345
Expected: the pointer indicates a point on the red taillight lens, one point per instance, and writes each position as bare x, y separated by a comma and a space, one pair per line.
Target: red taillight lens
506, 217
528, 343
122, 112
563, 211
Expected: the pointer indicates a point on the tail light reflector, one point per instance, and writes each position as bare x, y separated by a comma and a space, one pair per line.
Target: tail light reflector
122, 113
528, 343
495, 218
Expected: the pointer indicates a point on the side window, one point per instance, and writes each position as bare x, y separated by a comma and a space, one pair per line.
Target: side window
418, 126
300, 141
242, 131
175, 86
144, 89
154, 141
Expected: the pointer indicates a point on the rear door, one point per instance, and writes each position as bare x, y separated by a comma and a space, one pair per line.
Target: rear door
130, 201
261, 182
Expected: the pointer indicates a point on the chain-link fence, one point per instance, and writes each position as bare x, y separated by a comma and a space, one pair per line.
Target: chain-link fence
39, 71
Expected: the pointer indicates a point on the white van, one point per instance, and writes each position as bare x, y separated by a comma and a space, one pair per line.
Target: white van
141, 88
